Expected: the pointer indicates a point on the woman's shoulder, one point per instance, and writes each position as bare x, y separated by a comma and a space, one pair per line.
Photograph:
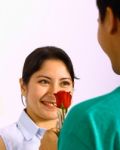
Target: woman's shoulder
10, 130
8, 134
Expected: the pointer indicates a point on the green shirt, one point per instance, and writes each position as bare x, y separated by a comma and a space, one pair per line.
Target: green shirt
93, 124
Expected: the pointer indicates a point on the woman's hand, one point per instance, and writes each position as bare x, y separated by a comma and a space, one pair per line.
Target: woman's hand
49, 140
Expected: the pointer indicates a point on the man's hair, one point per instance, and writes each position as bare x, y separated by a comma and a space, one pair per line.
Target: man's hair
113, 4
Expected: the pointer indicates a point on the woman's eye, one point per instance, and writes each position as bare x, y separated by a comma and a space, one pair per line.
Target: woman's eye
43, 82
65, 83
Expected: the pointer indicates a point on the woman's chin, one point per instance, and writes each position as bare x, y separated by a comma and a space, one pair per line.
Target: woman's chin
49, 115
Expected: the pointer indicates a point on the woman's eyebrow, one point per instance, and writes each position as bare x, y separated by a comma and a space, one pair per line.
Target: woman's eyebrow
43, 76
65, 78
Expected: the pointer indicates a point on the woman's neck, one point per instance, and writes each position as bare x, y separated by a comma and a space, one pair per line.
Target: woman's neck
47, 124
41, 122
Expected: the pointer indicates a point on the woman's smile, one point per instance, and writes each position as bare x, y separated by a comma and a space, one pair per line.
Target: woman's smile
50, 105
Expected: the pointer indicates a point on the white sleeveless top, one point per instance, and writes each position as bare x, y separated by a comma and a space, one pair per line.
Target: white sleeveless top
22, 135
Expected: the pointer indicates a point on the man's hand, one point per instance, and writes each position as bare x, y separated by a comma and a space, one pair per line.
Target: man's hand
49, 141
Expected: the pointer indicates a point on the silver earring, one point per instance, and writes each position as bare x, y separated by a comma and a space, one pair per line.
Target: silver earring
23, 101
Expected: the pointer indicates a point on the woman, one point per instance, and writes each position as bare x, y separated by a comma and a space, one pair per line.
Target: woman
46, 70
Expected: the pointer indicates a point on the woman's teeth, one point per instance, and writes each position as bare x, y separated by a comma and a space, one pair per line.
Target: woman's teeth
49, 103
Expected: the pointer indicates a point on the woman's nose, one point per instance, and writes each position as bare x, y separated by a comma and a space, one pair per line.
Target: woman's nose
54, 89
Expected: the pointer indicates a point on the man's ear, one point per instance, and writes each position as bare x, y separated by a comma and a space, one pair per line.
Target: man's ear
22, 87
111, 21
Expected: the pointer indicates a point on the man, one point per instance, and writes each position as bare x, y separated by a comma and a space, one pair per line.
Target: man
95, 124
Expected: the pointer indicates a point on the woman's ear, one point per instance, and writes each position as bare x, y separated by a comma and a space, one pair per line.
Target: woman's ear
22, 87
111, 21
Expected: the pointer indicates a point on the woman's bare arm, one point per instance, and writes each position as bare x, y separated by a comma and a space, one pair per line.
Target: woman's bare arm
2, 145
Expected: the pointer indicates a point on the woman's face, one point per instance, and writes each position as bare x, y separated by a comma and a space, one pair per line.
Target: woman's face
39, 92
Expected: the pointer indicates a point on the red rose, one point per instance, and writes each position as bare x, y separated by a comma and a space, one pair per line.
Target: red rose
63, 99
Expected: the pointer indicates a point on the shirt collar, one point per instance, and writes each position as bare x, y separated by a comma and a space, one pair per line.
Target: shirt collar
28, 128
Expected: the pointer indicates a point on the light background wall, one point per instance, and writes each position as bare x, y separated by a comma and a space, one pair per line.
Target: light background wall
68, 24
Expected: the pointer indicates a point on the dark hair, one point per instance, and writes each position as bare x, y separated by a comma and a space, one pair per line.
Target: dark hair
35, 60
113, 4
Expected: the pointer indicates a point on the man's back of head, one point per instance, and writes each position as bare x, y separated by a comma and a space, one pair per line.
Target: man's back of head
109, 30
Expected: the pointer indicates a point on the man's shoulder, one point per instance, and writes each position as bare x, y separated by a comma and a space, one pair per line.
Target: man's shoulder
107, 101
